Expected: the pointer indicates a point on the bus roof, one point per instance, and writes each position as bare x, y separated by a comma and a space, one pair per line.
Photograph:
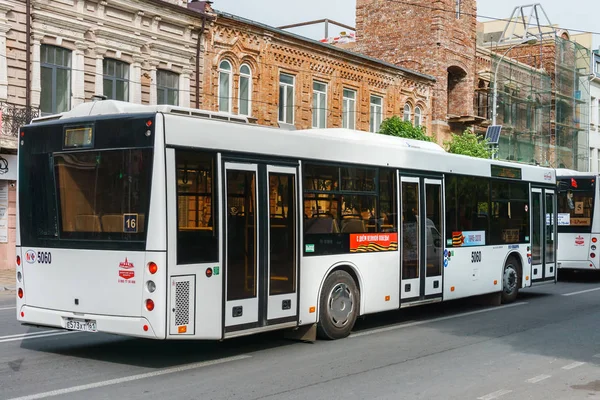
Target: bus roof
332, 144
564, 172
109, 107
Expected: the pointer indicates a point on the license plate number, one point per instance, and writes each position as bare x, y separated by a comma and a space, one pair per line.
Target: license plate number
81, 325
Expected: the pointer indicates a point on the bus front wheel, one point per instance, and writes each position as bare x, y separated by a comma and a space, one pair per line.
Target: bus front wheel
338, 306
510, 280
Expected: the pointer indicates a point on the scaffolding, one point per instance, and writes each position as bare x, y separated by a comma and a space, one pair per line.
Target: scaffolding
571, 92
524, 105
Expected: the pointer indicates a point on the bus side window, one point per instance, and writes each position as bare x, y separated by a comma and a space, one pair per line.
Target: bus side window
197, 239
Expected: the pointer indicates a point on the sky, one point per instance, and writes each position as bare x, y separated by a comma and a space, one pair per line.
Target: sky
569, 14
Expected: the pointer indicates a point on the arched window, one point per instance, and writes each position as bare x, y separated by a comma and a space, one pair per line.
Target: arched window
406, 112
418, 120
245, 90
225, 86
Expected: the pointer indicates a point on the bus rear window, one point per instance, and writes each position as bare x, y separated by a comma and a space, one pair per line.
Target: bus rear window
575, 208
103, 195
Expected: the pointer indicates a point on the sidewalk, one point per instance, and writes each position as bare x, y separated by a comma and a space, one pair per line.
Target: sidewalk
7, 279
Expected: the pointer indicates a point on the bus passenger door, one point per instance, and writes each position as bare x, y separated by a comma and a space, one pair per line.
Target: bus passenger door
550, 235
421, 237
410, 265
433, 212
260, 246
543, 244
282, 242
241, 244
537, 235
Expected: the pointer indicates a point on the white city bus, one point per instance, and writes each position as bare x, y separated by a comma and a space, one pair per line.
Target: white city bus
157, 222
578, 226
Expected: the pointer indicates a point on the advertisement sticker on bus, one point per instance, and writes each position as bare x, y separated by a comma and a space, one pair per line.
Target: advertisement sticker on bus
468, 238
126, 273
579, 240
370, 242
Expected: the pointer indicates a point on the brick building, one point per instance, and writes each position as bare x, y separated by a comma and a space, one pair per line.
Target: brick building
428, 38
284, 79
56, 54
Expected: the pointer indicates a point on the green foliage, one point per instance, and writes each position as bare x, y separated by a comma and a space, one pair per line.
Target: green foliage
468, 144
395, 126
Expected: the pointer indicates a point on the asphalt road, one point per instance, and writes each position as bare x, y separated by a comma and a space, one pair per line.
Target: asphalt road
544, 346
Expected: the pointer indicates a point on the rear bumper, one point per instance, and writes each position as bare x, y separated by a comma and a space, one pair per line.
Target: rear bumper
127, 326
577, 265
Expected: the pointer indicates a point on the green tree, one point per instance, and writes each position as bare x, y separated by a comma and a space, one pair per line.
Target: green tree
395, 126
468, 144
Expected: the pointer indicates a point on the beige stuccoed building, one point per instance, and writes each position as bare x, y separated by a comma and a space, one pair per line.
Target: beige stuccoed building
185, 54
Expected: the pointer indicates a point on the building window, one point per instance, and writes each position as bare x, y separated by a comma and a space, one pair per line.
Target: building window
597, 161
55, 63
407, 110
376, 112
418, 119
458, 9
225, 86
245, 90
597, 67
167, 88
116, 79
319, 116
286, 98
349, 109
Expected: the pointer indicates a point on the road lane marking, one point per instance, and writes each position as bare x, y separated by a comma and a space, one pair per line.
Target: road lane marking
597, 355
8, 308
581, 291
495, 395
538, 378
131, 378
573, 365
34, 335
416, 323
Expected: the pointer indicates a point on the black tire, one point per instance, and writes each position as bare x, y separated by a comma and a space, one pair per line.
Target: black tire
510, 280
338, 306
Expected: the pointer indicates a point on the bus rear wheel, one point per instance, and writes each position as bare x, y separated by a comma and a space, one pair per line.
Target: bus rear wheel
338, 306
510, 280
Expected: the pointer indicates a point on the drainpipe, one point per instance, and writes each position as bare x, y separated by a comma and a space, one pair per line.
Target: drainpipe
28, 55
198, 45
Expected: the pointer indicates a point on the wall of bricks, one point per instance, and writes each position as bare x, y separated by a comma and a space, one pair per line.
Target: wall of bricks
270, 53
427, 37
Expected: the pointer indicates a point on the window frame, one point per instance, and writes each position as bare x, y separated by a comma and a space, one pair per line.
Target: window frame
113, 79
418, 116
406, 112
54, 68
222, 71
283, 106
375, 118
159, 87
347, 121
246, 76
316, 117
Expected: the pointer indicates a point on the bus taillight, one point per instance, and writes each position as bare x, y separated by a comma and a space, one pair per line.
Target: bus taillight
149, 305
19, 260
20, 293
593, 255
594, 240
152, 267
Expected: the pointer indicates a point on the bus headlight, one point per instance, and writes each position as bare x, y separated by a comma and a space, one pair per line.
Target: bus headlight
151, 286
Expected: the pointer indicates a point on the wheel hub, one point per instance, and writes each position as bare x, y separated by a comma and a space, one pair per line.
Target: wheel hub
510, 279
340, 304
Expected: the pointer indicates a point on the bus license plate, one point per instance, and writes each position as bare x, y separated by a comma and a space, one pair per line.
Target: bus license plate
81, 325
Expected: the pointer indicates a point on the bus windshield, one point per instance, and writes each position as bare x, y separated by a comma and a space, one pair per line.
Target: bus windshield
94, 198
575, 205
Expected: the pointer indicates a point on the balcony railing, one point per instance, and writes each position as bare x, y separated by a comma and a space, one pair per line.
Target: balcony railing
12, 117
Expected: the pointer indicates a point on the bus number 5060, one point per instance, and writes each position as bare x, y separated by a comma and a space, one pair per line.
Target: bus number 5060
475, 256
